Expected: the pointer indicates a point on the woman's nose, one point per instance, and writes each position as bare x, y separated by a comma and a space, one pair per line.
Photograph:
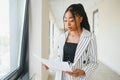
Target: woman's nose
68, 23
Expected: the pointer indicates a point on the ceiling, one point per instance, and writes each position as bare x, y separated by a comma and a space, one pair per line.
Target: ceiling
59, 6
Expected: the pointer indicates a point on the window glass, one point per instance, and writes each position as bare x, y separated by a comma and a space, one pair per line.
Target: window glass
11, 28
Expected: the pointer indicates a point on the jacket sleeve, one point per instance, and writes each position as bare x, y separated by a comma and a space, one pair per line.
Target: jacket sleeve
92, 64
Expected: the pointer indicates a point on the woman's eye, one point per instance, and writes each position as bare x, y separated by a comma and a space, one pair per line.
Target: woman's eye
71, 20
65, 20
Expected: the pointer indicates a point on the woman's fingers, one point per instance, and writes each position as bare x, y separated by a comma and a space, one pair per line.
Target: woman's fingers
45, 67
75, 73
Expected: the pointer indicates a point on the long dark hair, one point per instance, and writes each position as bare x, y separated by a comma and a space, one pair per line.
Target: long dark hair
78, 9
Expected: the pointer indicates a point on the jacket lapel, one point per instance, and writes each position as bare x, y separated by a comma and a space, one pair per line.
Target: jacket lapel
62, 42
83, 42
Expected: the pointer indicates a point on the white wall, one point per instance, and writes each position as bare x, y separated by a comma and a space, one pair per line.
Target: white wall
45, 35
35, 23
108, 37
38, 38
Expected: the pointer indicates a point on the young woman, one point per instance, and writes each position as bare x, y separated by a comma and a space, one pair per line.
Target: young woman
77, 45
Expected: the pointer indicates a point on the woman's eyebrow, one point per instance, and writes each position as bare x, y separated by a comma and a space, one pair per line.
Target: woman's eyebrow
69, 17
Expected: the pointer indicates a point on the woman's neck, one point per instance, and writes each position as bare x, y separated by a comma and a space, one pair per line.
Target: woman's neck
76, 33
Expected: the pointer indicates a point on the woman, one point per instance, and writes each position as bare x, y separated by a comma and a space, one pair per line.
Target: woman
77, 45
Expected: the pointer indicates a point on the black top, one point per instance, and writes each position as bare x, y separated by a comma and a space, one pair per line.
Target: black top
69, 52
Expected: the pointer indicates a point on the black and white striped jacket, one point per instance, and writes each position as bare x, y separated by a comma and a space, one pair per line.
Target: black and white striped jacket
85, 56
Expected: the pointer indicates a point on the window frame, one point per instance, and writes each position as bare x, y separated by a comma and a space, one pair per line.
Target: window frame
94, 19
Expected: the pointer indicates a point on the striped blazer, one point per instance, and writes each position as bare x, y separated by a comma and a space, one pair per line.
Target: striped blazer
85, 56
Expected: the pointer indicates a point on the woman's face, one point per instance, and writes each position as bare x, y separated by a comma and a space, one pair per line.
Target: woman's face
72, 24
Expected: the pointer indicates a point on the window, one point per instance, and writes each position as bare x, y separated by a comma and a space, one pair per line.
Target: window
4, 39
51, 26
13, 38
95, 21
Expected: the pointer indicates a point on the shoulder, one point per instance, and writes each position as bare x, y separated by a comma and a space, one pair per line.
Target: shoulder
87, 33
63, 35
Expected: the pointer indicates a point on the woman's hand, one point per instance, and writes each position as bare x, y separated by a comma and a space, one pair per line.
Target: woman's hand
76, 72
45, 67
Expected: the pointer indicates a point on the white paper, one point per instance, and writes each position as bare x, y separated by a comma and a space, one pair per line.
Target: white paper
55, 64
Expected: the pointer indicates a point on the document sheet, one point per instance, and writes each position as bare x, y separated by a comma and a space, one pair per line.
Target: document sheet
55, 64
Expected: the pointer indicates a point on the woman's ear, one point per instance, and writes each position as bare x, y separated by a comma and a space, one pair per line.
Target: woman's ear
81, 19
